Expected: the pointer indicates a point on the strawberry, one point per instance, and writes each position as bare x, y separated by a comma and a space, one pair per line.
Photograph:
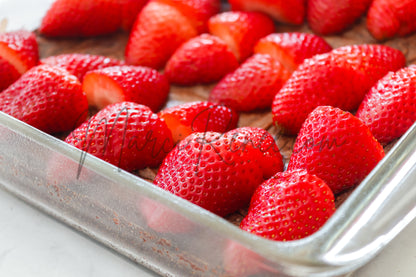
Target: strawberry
290, 49
339, 78
289, 206
114, 84
79, 64
8, 74
46, 97
202, 168
201, 60
389, 18
241, 30
20, 49
389, 108
125, 134
201, 116
157, 32
328, 17
337, 147
251, 86
81, 18
198, 12
292, 12
129, 11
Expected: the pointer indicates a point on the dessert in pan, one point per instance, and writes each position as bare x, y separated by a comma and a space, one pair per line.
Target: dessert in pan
265, 113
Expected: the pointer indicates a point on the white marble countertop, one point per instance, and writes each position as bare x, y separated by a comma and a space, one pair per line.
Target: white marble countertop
34, 244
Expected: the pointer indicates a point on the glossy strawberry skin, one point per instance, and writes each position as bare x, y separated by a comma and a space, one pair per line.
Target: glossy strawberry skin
252, 86
80, 64
156, 34
289, 206
337, 147
291, 49
20, 49
389, 18
200, 116
8, 74
328, 17
339, 78
292, 12
48, 98
201, 60
139, 84
203, 168
197, 11
389, 108
241, 30
129, 11
81, 18
125, 134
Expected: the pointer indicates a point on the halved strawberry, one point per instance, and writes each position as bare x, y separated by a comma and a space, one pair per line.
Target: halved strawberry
292, 12
251, 86
241, 30
389, 108
80, 64
8, 74
20, 49
46, 97
202, 168
390, 18
289, 206
81, 18
201, 116
290, 49
201, 60
158, 31
114, 84
337, 147
197, 11
339, 78
330, 17
125, 134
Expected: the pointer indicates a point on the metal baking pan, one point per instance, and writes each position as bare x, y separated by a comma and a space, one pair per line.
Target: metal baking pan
112, 206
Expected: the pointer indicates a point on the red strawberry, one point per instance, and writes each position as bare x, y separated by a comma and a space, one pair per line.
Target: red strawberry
125, 134
330, 17
114, 84
289, 206
203, 59
202, 116
20, 49
292, 12
81, 18
389, 18
389, 108
339, 78
241, 30
290, 49
252, 86
8, 74
197, 11
219, 172
79, 64
158, 31
337, 147
48, 98
129, 11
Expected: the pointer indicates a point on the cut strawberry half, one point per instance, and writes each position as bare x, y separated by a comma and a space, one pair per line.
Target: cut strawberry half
241, 30
20, 49
290, 49
138, 84
202, 116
